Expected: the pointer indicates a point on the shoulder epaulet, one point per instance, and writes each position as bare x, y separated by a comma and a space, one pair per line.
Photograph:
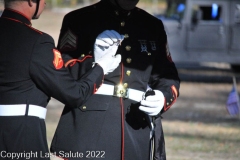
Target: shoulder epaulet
83, 10
34, 29
23, 24
148, 16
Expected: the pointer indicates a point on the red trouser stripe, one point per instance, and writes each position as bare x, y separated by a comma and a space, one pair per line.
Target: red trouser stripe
62, 158
122, 122
122, 114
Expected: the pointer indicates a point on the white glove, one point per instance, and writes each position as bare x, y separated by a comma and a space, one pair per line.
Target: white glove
105, 48
153, 104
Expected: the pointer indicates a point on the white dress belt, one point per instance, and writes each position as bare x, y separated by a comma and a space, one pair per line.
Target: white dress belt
133, 94
20, 110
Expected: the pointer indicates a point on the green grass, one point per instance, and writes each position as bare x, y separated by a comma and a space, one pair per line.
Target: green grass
207, 141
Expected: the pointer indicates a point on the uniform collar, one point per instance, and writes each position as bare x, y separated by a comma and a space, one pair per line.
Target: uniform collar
15, 16
114, 10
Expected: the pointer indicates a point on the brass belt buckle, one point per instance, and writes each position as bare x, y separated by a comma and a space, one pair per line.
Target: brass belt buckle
120, 91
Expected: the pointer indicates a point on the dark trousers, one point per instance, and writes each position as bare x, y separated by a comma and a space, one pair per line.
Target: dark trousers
159, 150
23, 138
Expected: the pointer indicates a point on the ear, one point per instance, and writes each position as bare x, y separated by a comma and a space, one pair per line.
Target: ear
30, 3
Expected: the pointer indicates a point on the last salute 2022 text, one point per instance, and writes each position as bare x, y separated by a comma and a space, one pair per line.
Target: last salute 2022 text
32, 154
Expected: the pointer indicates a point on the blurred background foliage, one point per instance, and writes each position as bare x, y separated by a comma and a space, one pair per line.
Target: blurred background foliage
75, 2
151, 6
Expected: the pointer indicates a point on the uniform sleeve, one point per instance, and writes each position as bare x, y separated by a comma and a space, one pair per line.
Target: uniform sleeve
50, 75
164, 76
63, 30
76, 58
67, 41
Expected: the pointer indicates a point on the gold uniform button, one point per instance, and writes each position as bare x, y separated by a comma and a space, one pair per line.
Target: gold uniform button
125, 85
149, 54
167, 104
84, 107
171, 100
128, 48
82, 55
123, 24
126, 36
129, 60
128, 72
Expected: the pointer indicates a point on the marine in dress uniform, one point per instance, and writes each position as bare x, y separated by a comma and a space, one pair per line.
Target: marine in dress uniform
110, 124
32, 71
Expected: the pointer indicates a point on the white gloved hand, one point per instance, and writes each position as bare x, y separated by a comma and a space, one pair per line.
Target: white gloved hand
153, 104
105, 48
